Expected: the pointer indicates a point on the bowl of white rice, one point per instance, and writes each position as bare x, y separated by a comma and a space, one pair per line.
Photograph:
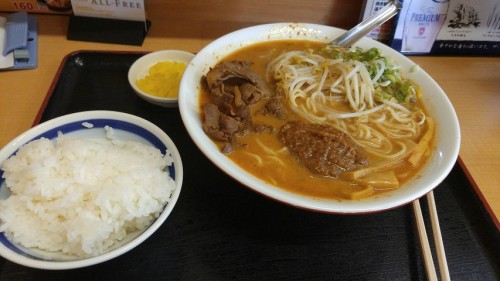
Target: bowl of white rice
84, 188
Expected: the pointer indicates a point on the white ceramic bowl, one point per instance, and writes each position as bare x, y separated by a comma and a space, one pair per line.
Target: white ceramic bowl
439, 165
126, 127
140, 68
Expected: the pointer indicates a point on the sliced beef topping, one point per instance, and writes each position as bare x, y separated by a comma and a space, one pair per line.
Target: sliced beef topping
233, 89
322, 149
212, 123
229, 74
233, 84
275, 108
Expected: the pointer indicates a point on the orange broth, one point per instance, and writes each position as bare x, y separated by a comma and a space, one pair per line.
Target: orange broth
279, 168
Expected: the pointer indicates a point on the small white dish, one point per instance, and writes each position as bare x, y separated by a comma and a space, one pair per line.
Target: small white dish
140, 68
90, 124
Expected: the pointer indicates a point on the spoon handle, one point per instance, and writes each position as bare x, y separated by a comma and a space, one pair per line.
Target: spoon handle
361, 29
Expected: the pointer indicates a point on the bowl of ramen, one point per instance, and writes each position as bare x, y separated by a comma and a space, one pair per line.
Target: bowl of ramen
328, 129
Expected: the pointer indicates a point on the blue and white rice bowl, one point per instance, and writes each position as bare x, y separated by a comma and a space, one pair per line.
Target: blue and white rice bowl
91, 124
447, 137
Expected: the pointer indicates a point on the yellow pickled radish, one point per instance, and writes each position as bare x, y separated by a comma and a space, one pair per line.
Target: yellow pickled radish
163, 79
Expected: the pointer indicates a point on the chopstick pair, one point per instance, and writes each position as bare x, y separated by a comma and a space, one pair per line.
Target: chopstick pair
438, 241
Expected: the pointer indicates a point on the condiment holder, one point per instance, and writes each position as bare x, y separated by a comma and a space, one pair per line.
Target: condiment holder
140, 69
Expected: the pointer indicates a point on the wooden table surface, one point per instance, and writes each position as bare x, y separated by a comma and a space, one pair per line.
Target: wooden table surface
471, 83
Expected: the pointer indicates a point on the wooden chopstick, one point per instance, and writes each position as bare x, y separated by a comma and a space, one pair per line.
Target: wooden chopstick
438, 240
424, 241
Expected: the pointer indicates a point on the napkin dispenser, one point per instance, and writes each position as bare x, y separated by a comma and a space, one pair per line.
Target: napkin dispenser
19, 34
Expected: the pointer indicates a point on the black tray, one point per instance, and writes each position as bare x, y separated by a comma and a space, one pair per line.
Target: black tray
220, 230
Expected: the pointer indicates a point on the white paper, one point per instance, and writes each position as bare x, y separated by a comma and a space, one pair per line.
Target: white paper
5, 61
477, 20
111, 9
468, 26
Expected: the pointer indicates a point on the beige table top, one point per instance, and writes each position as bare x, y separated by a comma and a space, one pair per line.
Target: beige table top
472, 84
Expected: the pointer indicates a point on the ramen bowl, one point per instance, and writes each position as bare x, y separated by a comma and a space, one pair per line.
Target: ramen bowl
437, 167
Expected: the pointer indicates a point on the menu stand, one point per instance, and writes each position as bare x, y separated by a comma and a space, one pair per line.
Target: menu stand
104, 30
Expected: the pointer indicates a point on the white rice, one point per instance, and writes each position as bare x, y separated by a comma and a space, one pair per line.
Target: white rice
82, 196
87, 125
